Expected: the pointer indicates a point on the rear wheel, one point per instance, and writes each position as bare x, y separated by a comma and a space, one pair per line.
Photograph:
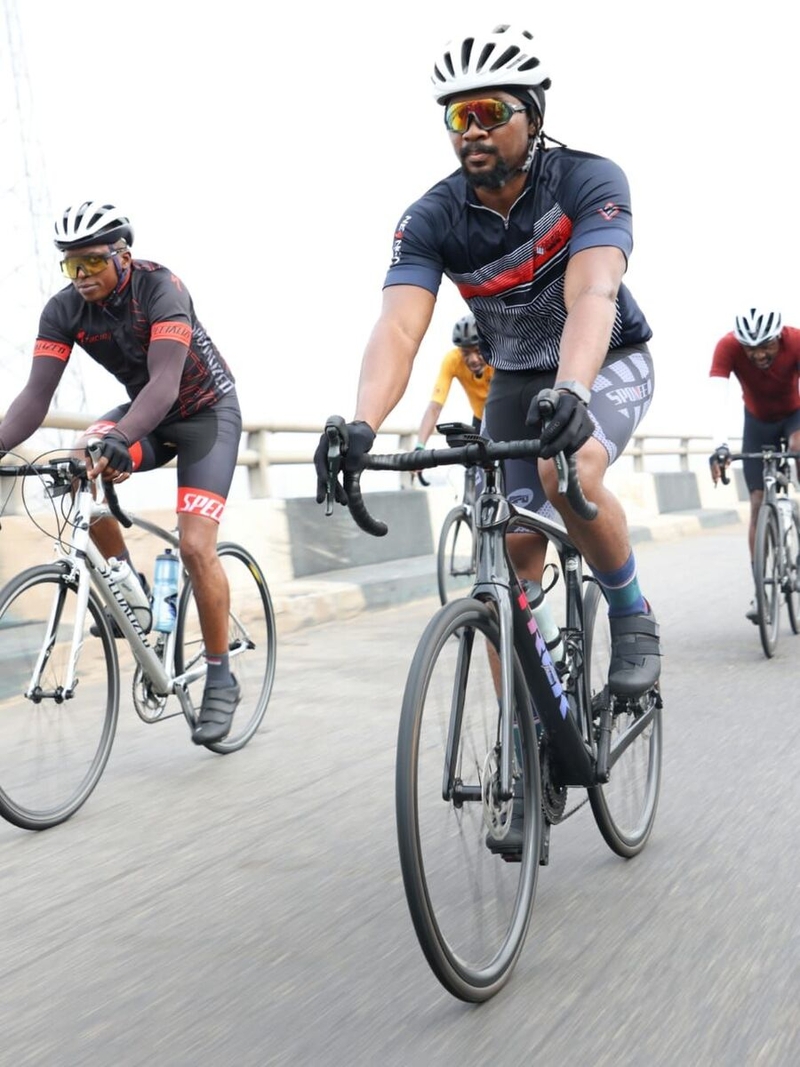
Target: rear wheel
251, 642
470, 906
766, 567
624, 808
54, 743
455, 562
791, 540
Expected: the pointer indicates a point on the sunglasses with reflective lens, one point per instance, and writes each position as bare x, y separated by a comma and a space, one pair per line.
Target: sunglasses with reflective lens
488, 113
91, 264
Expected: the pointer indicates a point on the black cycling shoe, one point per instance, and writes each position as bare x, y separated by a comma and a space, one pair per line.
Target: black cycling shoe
635, 654
216, 713
510, 846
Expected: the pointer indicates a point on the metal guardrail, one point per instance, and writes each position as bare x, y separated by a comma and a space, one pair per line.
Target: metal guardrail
258, 455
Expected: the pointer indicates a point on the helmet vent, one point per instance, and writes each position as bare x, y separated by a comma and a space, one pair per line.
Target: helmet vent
506, 58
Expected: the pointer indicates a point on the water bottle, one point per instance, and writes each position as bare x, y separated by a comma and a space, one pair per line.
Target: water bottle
127, 579
548, 627
165, 591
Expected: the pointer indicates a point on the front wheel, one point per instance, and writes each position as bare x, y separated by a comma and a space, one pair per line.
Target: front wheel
767, 570
455, 558
624, 808
251, 642
470, 901
54, 742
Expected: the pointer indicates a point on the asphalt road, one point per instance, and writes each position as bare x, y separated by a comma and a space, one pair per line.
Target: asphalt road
248, 909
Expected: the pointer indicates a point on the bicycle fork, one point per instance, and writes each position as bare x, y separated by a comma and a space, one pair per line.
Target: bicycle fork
34, 691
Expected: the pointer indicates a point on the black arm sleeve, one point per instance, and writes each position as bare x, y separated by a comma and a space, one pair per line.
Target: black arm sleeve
165, 362
28, 410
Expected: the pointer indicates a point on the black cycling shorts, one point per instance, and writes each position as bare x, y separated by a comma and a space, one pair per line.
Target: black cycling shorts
758, 435
621, 395
206, 446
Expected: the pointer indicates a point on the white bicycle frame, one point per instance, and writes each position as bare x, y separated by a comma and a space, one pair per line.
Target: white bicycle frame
87, 562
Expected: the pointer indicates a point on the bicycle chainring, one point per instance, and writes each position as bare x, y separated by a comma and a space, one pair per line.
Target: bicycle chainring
554, 796
149, 706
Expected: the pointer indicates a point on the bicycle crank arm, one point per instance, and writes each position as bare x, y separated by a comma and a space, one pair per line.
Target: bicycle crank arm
607, 757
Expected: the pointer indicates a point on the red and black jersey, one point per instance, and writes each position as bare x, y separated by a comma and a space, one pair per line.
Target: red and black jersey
153, 304
510, 271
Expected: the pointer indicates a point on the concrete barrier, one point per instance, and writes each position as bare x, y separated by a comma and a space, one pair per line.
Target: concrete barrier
322, 567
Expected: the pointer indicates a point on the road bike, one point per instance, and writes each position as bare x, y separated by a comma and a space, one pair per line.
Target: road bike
456, 553
493, 735
60, 682
776, 554
456, 550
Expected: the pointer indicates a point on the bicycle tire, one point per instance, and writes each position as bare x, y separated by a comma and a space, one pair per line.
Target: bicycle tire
252, 642
53, 750
455, 556
625, 807
766, 567
792, 585
471, 942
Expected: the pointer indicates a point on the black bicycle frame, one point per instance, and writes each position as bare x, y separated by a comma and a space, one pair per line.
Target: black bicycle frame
553, 705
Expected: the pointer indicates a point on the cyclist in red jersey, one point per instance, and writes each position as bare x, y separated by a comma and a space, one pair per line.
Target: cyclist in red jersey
136, 319
764, 355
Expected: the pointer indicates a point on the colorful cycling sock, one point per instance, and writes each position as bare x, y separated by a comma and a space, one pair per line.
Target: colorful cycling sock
621, 588
218, 673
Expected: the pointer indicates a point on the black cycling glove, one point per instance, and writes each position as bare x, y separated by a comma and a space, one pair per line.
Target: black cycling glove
570, 426
116, 452
358, 440
720, 455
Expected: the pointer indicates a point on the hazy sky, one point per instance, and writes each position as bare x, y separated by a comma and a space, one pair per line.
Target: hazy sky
266, 155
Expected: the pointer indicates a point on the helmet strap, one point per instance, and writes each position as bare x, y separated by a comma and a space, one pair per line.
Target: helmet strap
122, 272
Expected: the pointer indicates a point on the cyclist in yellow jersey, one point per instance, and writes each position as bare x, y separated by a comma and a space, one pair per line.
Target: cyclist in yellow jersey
465, 364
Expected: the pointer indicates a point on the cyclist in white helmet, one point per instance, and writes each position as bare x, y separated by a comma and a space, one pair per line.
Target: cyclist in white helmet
764, 355
464, 364
136, 319
536, 238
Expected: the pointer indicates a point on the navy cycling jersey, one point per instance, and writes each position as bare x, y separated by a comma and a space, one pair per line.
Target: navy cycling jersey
153, 304
510, 271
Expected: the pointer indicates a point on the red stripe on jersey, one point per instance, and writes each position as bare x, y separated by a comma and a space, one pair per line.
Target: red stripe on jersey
200, 502
545, 248
171, 331
52, 348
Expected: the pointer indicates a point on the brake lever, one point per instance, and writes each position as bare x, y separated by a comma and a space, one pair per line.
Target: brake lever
562, 469
336, 432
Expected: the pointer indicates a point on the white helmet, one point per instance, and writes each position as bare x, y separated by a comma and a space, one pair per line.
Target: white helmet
465, 332
500, 59
91, 223
756, 327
